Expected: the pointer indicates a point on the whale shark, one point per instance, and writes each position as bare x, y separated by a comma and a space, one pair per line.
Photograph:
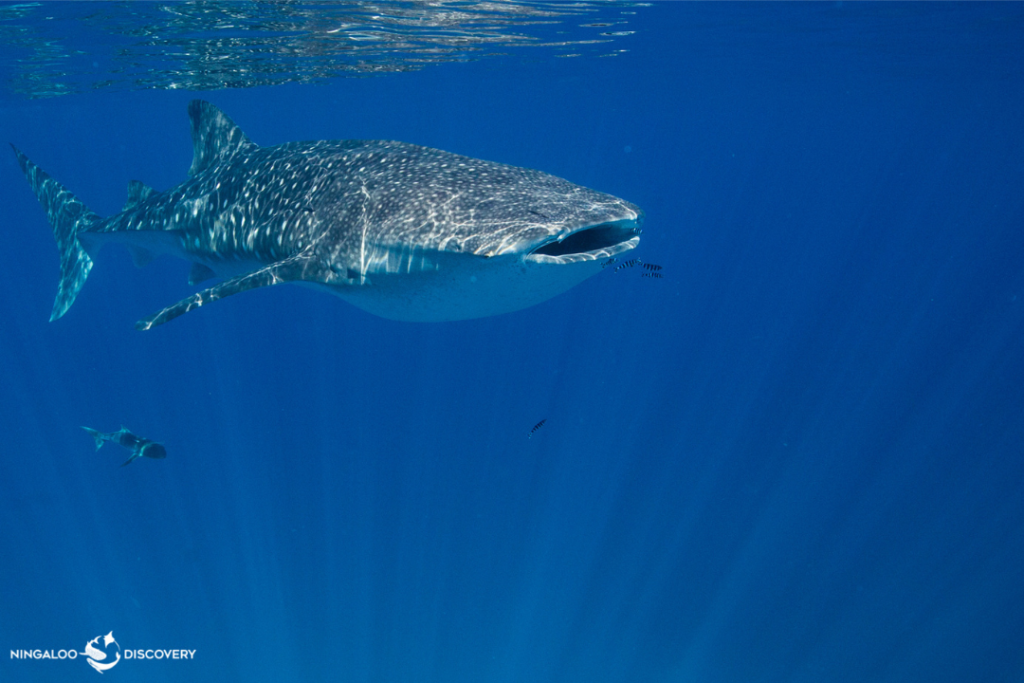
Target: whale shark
139, 446
402, 231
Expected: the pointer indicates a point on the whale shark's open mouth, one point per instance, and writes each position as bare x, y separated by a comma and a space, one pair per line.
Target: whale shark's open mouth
590, 243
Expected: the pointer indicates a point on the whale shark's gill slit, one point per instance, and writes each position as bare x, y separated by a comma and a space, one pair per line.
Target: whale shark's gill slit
593, 238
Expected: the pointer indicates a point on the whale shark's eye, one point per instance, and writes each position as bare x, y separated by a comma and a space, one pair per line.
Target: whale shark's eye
589, 239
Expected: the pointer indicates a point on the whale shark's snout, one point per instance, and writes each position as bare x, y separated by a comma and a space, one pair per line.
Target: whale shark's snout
590, 242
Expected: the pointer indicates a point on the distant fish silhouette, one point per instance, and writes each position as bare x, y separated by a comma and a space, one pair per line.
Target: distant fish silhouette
627, 264
609, 262
658, 275
536, 427
139, 446
651, 266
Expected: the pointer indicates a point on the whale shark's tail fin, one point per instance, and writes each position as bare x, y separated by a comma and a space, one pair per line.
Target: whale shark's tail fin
68, 216
96, 435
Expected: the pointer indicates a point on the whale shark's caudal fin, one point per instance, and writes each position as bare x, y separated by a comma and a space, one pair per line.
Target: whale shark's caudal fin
68, 216
96, 435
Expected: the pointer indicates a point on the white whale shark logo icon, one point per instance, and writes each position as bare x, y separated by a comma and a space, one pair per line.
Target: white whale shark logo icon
97, 657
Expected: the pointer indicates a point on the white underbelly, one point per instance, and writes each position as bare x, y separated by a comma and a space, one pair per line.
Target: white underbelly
463, 286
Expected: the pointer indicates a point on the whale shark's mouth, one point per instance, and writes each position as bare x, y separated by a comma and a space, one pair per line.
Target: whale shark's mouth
589, 243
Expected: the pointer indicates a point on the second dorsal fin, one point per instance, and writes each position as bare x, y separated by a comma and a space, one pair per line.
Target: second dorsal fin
138, 192
215, 137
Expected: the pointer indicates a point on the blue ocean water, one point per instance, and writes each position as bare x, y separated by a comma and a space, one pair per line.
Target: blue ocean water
795, 457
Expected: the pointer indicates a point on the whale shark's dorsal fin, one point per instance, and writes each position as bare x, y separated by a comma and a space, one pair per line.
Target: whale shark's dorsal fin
215, 137
138, 192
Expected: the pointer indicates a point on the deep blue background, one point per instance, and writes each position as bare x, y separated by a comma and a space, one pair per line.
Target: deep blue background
798, 457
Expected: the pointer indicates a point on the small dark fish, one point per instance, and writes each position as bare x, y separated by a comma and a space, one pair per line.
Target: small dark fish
651, 266
658, 275
627, 264
638, 231
609, 262
140, 447
536, 427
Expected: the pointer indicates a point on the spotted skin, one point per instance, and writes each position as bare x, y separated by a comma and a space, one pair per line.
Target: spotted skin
403, 231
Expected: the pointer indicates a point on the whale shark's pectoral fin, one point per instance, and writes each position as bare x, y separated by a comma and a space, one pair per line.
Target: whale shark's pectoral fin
302, 266
132, 458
